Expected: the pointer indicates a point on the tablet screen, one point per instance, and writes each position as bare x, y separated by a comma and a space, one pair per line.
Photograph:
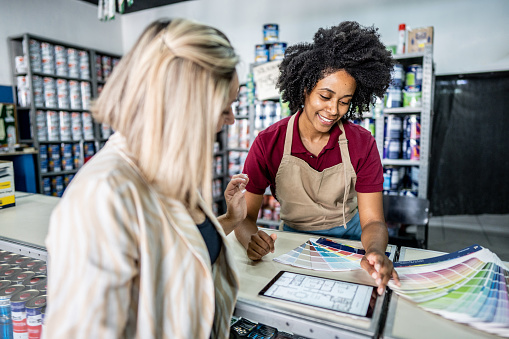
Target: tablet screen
334, 295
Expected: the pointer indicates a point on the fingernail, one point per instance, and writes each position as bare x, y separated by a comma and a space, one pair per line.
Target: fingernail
374, 275
378, 281
380, 291
243, 191
377, 267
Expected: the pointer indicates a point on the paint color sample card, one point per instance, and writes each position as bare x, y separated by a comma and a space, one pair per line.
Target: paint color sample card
468, 286
322, 255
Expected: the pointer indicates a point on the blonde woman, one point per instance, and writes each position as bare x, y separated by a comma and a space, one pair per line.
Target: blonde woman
135, 249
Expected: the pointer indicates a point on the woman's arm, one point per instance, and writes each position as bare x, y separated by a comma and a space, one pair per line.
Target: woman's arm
374, 239
256, 242
235, 203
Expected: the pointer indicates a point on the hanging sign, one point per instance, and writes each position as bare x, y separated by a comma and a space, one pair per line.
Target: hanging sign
265, 77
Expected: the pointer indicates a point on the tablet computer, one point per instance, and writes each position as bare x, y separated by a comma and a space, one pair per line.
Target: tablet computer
334, 295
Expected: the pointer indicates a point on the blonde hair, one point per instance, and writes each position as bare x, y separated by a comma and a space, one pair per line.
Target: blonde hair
166, 97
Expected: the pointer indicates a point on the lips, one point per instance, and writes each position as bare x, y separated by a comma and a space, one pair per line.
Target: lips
324, 120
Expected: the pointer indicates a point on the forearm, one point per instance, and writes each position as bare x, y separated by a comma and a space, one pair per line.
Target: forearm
228, 223
375, 237
245, 230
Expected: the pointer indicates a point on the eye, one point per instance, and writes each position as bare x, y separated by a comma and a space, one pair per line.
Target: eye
344, 103
324, 97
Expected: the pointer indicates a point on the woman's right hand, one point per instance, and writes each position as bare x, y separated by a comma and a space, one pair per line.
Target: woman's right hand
260, 244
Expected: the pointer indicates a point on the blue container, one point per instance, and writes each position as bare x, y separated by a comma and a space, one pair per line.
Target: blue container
277, 51
393, 97
411, 149
392, 149
413, 75
261, 53
412, 127
393, 127
398, 76
46, 186
270, 33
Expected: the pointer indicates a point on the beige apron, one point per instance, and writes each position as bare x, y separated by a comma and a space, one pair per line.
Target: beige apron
312, 200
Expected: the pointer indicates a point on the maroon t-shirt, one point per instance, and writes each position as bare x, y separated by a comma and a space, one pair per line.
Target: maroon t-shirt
265, 156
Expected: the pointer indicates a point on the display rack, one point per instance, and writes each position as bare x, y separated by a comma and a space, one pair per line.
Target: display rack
27, 113
425, 59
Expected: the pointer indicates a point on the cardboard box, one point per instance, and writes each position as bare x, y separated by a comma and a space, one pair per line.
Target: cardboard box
6, 184
417, 38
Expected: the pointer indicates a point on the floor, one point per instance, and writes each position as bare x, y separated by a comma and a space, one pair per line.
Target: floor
452, 233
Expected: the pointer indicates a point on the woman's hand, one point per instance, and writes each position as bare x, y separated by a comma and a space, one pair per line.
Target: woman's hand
379, 266
236, 209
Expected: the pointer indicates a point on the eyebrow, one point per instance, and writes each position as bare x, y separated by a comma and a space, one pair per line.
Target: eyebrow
331, 91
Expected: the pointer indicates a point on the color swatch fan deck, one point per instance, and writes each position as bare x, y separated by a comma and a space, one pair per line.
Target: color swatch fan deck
323, 255
469, 286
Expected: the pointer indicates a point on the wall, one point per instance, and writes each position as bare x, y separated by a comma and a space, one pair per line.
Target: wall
69, 21
470, 36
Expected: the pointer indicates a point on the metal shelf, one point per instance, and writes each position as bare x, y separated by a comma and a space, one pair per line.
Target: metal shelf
400, 162
18, 45
424, 58
52, 174
402, 110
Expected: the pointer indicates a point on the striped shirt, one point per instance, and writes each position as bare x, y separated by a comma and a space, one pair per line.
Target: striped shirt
127, 262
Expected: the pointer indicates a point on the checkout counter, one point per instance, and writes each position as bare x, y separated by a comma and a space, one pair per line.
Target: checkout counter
23, 229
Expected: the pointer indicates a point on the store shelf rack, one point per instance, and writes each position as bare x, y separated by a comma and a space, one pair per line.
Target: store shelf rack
425, 59
26, 116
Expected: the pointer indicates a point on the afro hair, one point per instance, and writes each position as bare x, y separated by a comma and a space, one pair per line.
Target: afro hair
347, 46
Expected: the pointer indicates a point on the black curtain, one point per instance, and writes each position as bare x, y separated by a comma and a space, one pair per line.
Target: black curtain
469, 165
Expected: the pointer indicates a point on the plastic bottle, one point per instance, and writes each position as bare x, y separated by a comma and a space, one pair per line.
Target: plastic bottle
401, 39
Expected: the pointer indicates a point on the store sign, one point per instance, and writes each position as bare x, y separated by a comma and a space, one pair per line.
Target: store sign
265, 77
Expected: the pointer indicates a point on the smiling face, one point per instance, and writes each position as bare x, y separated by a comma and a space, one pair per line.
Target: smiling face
328, 102
227, 117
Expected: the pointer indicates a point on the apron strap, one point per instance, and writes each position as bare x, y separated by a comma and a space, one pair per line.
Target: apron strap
345, 158
289, 136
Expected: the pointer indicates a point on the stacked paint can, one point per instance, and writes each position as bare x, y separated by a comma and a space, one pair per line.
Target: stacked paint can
393, 97
411, 137
22, 289
401, 180
412, 93
392, 140
271, 49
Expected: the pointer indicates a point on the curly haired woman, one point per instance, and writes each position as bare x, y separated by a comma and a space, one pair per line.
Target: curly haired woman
325, 171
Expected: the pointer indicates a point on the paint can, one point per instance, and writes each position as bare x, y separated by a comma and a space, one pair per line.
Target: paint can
277, 51
65, 125
393, 97
412, 96
261, 53
392, 149
270, 33
398, 76
19, 316
393, 127
34, 307
412, 127
413, 76
411, 149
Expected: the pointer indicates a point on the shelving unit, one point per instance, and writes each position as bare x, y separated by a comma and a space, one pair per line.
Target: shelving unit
425, 59
34, 106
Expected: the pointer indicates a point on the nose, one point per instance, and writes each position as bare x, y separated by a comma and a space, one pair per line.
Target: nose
333, 107
229, 119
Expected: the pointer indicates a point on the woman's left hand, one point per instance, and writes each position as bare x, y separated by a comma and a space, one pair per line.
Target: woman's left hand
236, 209
379, 266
